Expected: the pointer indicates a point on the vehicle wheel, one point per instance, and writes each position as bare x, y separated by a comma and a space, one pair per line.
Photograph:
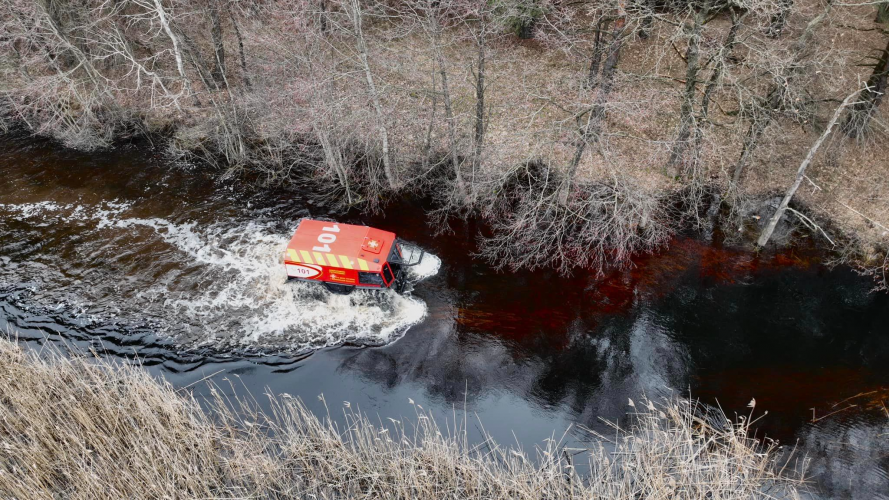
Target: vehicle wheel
339, 289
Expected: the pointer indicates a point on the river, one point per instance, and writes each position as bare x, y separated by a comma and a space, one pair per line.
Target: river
135, 256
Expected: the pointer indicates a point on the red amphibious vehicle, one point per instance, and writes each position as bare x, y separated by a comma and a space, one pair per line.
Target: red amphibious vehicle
344, 256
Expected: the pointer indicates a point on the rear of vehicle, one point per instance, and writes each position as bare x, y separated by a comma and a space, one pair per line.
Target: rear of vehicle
344, 256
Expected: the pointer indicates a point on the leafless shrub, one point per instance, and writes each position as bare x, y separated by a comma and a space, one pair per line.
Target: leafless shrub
66, 100
601, 224
77, 427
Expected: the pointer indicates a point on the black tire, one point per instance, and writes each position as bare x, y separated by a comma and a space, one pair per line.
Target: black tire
339, 289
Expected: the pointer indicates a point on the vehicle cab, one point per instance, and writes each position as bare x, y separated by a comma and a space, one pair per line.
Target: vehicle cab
345, 256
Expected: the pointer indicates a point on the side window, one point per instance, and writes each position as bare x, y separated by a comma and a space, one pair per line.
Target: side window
370, 278
387, 273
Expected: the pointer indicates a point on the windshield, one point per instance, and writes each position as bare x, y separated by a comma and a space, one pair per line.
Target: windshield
387, 273
396, 254
404, 254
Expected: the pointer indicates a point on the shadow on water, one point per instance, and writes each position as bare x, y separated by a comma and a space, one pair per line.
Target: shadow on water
120, 252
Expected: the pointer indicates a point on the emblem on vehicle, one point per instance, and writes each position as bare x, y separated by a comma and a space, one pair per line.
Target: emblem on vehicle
302, 270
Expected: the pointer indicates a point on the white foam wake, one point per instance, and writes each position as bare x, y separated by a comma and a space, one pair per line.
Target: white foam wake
244, 289
227, 285
426, 268
49, 212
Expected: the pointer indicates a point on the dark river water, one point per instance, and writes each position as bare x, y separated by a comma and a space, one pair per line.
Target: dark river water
132, 255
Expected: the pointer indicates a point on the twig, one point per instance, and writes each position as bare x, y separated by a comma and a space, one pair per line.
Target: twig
831, 413
884, 228
852, 397
217, 372
811, 224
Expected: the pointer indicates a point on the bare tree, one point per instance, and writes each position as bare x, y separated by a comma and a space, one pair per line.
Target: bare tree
116, 44
776, 98
860, 113
356, 18
720, 62
164, 21
779, 20
801, 173
646, 14
591, 120
244, 73
74, 101
598, 50
687, 116
480, 33
371, 99
433, 10
218, 44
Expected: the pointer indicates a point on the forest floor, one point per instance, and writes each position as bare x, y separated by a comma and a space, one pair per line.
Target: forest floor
534, 91
534, 88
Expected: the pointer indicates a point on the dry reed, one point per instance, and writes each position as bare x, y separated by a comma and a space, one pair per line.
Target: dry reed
81, 427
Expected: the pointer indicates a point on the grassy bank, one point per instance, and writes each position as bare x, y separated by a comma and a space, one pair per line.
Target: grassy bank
87, 428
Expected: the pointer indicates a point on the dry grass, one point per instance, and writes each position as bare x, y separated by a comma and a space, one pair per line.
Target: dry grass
87, 428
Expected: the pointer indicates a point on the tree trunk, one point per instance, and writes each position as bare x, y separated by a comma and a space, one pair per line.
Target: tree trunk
55, 25
218, 45
591, 131
647, 22
687, 119
435, 35
716, 75
719, 69
774, 101
452, 124
323, 16
751, 141
356, 18
427, 142
480, 124
177, 51
82, 59
525, 30
243, 55
779, 20
800, 175
871, 97
333, 156
598, 50
193, 53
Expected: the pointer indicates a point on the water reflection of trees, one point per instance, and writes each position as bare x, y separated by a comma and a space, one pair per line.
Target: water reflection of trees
590, 378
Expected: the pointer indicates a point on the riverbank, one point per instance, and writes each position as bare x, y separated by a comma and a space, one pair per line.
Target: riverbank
374, 102
74, 426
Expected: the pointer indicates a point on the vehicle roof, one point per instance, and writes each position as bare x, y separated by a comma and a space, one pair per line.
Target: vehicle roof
346, 251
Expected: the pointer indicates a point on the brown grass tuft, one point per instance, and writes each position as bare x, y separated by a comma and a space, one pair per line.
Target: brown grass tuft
81, 427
